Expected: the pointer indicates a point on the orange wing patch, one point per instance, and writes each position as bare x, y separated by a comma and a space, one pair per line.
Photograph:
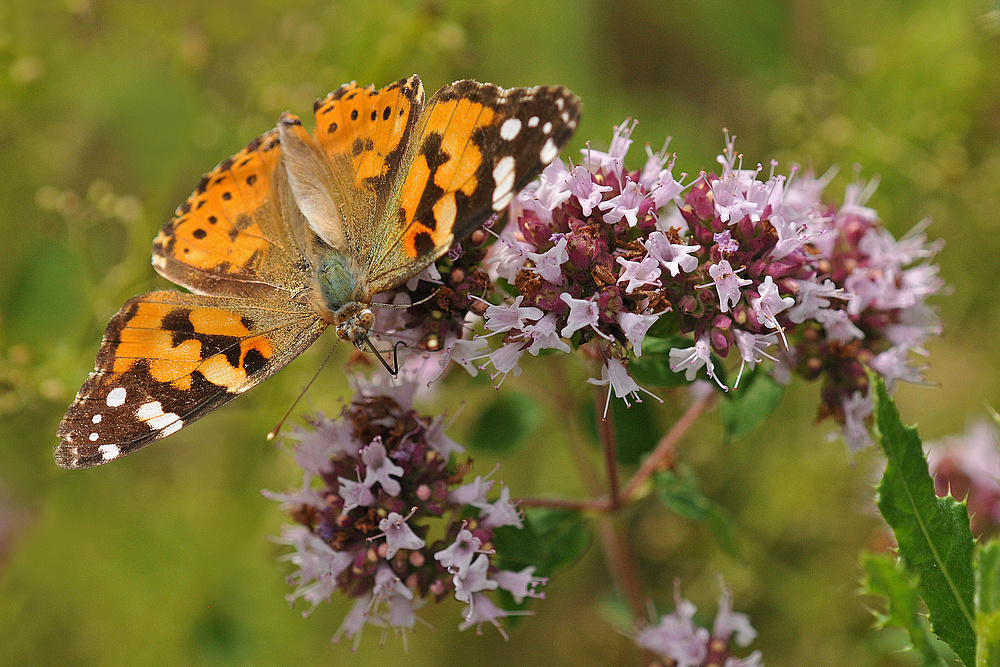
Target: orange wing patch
369, 126
446, 165
214, 230
176, 341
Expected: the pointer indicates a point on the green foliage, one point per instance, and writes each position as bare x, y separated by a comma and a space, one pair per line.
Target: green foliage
885, 576
935, 542
549, 540
678, 489
988, 602
505, 422
757, 397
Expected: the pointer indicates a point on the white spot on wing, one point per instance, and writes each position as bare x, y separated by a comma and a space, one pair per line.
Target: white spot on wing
549, 152
97, 419
93, 436
109, 451
163, 421
149, 411
116, 397
533, 121
510, 129
560, 102
172, 428
503, 176
546, 128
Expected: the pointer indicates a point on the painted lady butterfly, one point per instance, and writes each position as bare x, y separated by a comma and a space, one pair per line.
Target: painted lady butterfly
298, 232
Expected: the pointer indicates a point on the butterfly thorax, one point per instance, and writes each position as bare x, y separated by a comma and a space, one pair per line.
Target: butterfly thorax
343, 291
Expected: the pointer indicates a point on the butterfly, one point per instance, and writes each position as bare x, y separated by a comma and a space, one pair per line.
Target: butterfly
298, 232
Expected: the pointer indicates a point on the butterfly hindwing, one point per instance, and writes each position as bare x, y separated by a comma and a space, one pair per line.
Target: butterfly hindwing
234, 235
168, 359
474, 147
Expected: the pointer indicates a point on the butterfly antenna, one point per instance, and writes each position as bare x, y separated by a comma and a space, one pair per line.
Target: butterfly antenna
394, 369
273, 433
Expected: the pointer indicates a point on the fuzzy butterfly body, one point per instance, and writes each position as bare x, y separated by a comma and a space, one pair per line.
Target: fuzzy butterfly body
298, 232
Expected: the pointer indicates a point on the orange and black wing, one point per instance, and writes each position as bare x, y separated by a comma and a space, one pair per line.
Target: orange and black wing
235, 235
170, 358
474, 147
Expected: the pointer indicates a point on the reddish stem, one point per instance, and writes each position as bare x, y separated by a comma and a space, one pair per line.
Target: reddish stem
662, 457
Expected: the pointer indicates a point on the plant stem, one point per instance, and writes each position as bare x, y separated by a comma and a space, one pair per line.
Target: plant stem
622, 567
609, 445
663, 456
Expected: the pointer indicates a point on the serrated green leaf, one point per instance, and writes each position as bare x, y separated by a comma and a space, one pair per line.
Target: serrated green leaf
887, 578
505, 423
988, 602
680, 492
933, 533
757, 397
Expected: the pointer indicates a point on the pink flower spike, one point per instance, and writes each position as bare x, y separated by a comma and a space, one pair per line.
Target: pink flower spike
510, 316
626, 205
397, 534
354, 494
474, 579
635, 327
586, 191
857, 408
458, 557
380, 468
464, 353
673, 257
521, 584
482, 610
439, 441
692, 359
618, 380
751, 347
646, 272
505, 360
501, 512
548, 263
769, 304
727, 283
614, 159
582, 313
474, 493
544, 336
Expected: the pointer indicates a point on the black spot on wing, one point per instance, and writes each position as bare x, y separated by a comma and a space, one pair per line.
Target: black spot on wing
423, 243
253, 362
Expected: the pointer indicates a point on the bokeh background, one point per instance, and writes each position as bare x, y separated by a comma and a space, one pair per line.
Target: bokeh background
110, 110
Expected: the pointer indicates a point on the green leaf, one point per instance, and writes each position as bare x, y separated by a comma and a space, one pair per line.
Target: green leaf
550, 539
757, 397
887, 578
679, 491
505, 423
988, 602
935, 542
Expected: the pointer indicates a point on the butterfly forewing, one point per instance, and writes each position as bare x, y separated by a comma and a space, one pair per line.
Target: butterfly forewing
170, 358
233, 236
475, 146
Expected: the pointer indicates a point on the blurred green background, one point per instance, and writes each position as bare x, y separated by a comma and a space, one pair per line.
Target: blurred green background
110, 110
